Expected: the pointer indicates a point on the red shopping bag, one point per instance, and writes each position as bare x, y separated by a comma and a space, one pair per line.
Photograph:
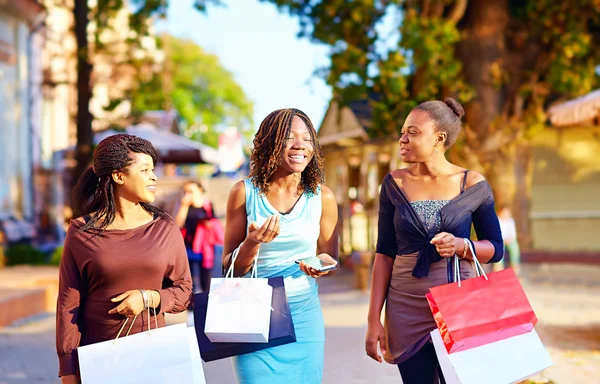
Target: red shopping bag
480, 311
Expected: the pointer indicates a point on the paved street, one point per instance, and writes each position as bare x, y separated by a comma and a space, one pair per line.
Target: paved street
566, 299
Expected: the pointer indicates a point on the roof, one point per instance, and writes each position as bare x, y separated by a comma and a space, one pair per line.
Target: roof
29, 10
581, 110
343, 126
363, 112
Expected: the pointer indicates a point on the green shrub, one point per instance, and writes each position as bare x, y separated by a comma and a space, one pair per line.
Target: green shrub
56, 256
2, 257
24, 254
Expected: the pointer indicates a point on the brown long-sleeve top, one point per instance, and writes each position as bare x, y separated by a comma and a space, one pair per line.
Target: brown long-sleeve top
95, 269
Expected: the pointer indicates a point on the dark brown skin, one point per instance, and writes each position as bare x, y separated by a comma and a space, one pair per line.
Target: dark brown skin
282, 195
429, 176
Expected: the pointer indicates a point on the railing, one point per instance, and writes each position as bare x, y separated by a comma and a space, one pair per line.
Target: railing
565, 215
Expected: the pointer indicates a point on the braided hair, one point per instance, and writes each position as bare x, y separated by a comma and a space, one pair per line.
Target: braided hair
269, 146
95, 189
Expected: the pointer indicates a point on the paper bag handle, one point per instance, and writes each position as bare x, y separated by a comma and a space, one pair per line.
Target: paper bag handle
234, 256
133, 322
476, 265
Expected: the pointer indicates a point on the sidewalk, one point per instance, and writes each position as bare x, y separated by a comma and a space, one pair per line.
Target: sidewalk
566, 299
26, 291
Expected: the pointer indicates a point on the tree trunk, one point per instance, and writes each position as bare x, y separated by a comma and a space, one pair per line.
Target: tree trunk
506, 165
501, 176
83, 154
481, 50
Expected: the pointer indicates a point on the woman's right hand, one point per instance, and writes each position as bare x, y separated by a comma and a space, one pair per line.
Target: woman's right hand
375, 334
186, 199
266, 233
70, 379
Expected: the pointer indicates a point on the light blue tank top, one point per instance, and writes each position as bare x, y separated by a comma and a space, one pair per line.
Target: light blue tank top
299, 231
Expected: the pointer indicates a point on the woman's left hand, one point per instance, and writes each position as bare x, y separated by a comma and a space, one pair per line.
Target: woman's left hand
445, 244
310, 271
132, 303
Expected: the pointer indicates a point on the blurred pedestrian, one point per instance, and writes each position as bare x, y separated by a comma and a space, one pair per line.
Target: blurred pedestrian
425, 217
202, 232
509, 234
122, 257
282, 212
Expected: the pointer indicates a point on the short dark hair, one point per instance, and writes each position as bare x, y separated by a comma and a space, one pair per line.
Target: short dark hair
198, 183
446, 116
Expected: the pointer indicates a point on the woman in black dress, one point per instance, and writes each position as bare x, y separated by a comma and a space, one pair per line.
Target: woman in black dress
425, 216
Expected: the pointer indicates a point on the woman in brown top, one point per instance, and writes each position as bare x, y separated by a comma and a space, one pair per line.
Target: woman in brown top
425, 216
122, 257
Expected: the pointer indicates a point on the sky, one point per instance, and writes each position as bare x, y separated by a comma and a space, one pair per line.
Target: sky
259, 45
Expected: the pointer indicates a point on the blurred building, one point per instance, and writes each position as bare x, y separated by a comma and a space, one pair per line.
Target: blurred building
38, 101
21, 22
565, 207
113, 76
354, 168
113, 72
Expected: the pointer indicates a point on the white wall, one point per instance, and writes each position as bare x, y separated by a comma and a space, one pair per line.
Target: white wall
15, 126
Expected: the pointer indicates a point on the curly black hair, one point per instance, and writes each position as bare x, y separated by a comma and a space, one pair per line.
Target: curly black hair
94, 191
269, 145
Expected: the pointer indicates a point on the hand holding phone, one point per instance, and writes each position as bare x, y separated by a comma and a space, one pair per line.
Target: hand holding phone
316, 266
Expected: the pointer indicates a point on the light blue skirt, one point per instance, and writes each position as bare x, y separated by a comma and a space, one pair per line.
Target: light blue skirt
296, 363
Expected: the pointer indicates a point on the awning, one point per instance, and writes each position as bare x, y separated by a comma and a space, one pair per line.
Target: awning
577, 111
172, 148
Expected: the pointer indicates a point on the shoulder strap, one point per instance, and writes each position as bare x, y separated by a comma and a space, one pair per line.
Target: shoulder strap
464, 182
86, 218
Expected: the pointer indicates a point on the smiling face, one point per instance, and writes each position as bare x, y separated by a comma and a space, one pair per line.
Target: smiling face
138, 183
419, 139
299, 147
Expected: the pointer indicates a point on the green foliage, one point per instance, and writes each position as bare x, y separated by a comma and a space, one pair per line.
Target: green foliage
547, 50
24, 254
56, 256
195, 83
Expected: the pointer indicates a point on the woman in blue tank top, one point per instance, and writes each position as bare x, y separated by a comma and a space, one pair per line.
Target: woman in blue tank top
282, 212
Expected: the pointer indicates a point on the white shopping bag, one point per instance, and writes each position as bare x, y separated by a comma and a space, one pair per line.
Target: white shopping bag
238, 309
502, 362
197, 367
159, 356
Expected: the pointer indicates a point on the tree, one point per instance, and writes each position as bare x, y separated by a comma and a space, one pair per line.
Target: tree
196, 84
507, 60
101, 14
83, 150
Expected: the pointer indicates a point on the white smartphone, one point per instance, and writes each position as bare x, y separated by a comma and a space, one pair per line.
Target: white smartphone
318, 264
